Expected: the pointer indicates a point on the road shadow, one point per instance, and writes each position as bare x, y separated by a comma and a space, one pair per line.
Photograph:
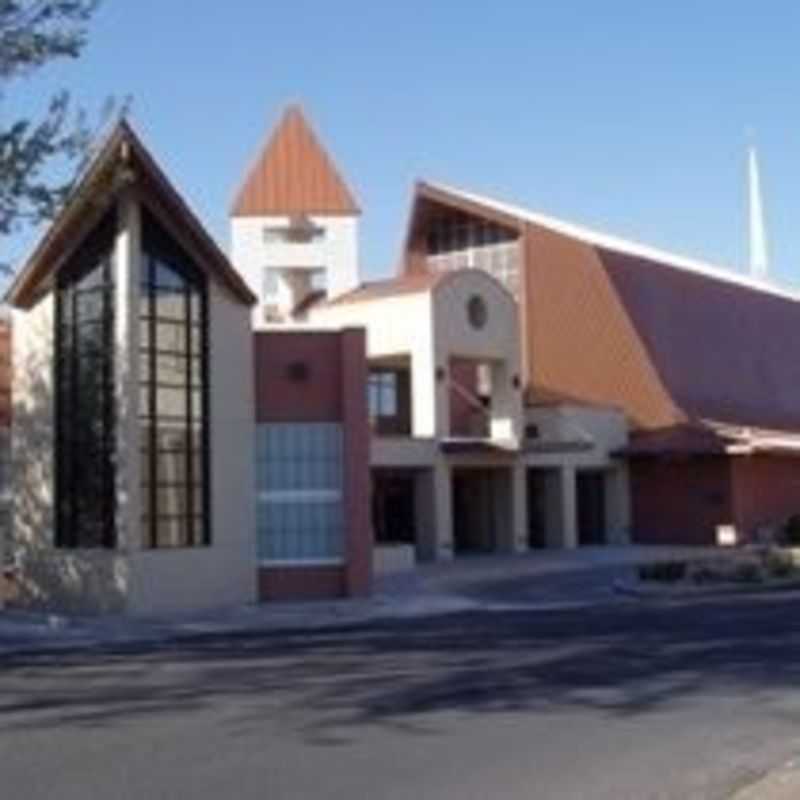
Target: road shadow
626, 661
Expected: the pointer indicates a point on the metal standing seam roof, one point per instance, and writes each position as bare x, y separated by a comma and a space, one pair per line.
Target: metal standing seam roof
393, 287
293, 174
668, 340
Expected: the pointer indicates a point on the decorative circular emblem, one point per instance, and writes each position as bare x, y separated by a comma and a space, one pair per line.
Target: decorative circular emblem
477, 313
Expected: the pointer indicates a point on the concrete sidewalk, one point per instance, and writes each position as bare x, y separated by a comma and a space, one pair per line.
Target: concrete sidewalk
540, 581
781, 784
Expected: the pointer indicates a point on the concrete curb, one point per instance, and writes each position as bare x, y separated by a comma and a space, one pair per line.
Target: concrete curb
30, 633
637, 590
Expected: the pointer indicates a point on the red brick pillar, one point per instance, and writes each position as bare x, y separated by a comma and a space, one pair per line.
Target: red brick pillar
356, 475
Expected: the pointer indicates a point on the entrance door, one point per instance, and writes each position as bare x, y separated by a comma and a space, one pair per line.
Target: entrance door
474, 511
537, 508
591, 491
393, 508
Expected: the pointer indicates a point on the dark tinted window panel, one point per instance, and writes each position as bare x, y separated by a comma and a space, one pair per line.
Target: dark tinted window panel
85, 413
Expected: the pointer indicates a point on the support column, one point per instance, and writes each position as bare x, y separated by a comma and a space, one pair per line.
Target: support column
127, 265
356, 483
430, 396
425, 516
519, 505
569, 508
443, 510
618, 506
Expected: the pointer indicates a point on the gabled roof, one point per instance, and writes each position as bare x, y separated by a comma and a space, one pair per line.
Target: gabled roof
669, 340
293, 175
509, 211
122, 161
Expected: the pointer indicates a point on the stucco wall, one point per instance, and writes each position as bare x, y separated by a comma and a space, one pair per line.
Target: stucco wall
131, 579
337, 252
74, 581
222, 574
495, 342
393, 324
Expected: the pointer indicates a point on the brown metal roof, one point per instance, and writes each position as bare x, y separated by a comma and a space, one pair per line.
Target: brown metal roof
685, 440
375, 290
665, 344
581, 341
293, 175
708, 438
658, 337
123, 161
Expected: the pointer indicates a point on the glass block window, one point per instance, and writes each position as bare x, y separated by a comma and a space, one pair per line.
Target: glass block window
299, 492
85, 411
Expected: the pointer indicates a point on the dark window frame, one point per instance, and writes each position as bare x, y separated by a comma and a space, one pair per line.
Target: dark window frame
383, 393
85, 456
160, 249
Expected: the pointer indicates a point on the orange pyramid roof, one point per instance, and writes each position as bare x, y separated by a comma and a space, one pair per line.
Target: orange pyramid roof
293, 175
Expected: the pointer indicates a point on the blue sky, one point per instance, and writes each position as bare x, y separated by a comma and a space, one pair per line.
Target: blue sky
627, 116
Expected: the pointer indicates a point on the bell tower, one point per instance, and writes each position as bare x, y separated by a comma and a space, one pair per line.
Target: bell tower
294, 224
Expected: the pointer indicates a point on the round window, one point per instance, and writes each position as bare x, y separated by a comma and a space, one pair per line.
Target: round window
477, 312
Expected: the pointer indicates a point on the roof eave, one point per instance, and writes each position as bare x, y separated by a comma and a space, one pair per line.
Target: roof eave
21, 292
122, 149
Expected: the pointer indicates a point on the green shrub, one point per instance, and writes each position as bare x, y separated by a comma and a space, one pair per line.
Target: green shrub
703, 573
778, 565
747, 572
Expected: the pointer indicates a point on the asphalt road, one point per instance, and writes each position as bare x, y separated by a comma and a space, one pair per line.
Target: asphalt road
615, 702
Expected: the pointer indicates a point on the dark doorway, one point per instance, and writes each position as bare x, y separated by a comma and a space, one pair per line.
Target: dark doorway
474, 513
393, 508
537, 508
591, 499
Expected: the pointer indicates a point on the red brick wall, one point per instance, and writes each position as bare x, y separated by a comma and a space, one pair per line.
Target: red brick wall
300, 583
333, 389
279, 398
463, 414
357, 489
766, 490
680, 501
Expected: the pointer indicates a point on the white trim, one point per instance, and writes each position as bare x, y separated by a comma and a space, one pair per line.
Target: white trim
618, 244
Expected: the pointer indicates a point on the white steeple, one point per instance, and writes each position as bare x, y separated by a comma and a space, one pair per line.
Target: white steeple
759, 255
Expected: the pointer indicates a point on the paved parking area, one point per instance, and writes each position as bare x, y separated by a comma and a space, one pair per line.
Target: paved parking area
539, 578
696, 700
